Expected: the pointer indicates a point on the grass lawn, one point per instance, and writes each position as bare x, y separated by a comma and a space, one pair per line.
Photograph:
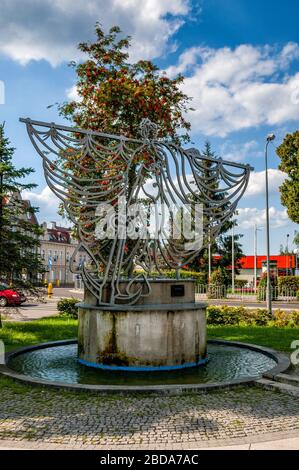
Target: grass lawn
268, 336
18, 334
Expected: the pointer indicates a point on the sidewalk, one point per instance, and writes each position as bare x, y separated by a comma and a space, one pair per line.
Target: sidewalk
291, 443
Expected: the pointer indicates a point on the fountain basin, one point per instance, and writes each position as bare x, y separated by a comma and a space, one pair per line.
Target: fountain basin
230, 363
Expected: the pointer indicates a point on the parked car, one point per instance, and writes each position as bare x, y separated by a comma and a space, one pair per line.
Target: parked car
9, 296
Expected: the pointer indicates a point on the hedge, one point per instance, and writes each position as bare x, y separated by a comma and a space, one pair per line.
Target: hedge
288, 282
226, 315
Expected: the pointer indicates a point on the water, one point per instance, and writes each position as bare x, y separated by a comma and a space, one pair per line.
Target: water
59, 363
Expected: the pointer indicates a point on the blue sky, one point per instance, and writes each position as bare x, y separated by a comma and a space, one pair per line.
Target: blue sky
240, 59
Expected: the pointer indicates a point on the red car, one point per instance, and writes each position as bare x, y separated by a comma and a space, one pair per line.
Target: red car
9, 296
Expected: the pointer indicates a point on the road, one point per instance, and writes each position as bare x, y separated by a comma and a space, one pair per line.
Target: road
47, 308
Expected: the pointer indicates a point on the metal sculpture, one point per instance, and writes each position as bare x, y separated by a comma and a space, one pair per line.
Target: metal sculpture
91, 172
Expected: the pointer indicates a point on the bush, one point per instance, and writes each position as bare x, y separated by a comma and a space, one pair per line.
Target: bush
288, 283
259, 317
240, 282
294, 318
262, 288
297, 295
67, 307
281, 318
217, 285
225, 315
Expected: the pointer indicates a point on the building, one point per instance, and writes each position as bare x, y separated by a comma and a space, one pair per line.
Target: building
57, 247
281, 265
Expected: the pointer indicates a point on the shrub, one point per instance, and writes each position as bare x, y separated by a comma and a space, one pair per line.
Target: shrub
294, 318
217, 285
224, 315
67, 307
240, 282
281, 318
262, 287
297, 295
288, 283
259, 317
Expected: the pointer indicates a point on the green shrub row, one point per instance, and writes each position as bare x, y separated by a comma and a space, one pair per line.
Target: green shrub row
226, 315
67, 307
288, 282
240, 282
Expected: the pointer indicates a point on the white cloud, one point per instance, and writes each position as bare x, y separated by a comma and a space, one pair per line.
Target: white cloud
51, 29
46, 201
249, 216
235, 89
256, 183
72, 94
240, 152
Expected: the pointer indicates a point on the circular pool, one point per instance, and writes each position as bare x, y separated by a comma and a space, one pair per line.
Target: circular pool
56, 363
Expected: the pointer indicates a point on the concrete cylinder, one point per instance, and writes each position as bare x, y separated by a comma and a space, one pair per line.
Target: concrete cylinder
142, 337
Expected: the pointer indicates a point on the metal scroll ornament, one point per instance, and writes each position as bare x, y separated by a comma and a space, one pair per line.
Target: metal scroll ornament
99, 176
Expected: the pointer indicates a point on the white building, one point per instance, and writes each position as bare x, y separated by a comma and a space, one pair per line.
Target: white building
57, 246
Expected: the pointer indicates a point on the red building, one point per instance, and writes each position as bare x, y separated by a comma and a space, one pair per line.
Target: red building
282, 265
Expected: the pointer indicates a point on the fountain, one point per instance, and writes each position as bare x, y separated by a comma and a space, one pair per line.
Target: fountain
140, 206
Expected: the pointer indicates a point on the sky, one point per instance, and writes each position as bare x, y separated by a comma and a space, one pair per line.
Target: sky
241, 63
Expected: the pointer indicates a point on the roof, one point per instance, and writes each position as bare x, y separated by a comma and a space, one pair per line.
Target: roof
59, 235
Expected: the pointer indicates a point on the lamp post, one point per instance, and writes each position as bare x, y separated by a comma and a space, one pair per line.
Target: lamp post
287, 255
296, 251
233, 259
270, 138
255, 256
209, 258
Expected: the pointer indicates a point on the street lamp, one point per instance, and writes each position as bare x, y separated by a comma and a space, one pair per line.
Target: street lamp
287, 255
233, 259
256, 229
270, 138
296, 251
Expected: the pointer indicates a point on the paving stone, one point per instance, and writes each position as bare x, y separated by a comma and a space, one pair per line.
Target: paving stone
45, 416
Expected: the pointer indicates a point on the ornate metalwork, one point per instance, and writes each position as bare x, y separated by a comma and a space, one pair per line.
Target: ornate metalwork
89, 171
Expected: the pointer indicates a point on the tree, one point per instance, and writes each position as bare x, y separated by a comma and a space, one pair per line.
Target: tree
19, 232
288, 152
115, 95
223, 244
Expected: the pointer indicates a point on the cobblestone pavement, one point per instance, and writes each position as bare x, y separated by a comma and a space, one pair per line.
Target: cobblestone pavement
80, 420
